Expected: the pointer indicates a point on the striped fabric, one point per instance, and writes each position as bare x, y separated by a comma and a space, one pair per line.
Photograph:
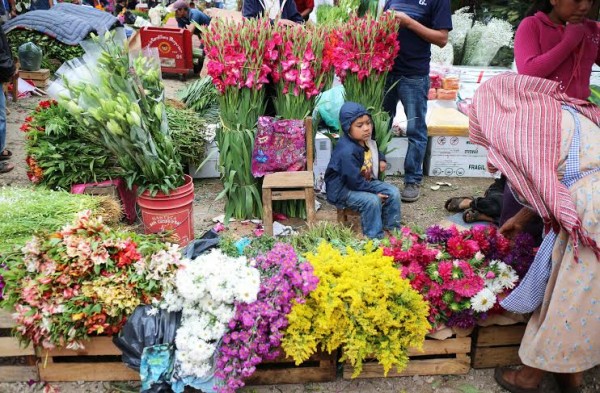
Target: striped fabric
528, 296
518, 119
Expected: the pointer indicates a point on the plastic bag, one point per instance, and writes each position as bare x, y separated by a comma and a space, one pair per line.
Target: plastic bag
30, 56
329, 104
199, 246
145, 330
279, 146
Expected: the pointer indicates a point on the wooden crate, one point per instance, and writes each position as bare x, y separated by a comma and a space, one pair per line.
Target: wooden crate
40, 75
320, 367
439, 357
17, 364
497, 346
99, 361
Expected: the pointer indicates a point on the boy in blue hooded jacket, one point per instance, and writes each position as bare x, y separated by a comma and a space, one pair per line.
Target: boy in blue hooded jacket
351, 176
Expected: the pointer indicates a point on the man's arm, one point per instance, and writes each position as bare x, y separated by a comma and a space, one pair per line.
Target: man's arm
433, 36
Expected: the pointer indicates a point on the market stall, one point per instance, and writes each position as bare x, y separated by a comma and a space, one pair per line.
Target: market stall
229, 311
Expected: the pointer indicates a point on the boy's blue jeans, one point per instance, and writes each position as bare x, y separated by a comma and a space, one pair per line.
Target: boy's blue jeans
412, 91
375, 215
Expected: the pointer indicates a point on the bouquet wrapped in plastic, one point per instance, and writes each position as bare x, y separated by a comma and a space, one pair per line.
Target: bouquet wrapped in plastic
118, 98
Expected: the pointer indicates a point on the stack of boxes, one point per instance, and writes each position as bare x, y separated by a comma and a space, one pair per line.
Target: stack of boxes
449, 152
455, 156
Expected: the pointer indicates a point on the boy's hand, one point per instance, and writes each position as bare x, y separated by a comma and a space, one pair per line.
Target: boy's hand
382, 166
383, 197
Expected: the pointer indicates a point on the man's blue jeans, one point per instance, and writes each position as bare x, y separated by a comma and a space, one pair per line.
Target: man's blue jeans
2, 121
412, 91
375, 215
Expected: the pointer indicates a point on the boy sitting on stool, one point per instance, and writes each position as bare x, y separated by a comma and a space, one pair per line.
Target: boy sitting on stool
351, 176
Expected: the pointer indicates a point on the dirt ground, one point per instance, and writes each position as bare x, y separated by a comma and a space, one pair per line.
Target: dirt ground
427, 211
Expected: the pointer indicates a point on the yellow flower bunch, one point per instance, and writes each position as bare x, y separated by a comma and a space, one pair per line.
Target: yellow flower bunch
361, 305
113, 293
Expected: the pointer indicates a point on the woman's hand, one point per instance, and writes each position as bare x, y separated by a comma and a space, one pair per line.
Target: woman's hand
515, 224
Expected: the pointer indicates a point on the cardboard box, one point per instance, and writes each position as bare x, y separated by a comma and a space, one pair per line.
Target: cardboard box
395, 158
454, 146
456, 166
323, 147
211, 168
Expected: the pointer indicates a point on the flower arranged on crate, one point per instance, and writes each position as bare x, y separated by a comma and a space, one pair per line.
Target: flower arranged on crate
522, 253
83, 280
206, 290
364, 53
362, 305
255, 333
58, 152
120, 104
300, 72
459, 273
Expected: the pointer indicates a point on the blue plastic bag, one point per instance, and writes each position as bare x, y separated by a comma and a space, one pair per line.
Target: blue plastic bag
329, 104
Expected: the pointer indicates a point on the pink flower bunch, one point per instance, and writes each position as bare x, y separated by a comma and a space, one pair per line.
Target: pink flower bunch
239, 56
299, 69
458, 272
82, 280
364, 46
256, 331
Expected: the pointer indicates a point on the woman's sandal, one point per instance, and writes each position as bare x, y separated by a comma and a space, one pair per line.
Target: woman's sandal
5, 167
5, 155
453, 204
499, 377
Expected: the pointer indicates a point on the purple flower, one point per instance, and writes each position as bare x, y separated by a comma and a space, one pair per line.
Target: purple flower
437, 234
255, 332
464, 319
521, 254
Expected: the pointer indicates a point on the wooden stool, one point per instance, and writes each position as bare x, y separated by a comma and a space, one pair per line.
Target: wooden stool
343, 214
285, 186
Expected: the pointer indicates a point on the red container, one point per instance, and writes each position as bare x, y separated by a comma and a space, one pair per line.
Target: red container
174, 48
173, 212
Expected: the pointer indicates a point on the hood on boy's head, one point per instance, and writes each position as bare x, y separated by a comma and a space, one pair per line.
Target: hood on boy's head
349, 112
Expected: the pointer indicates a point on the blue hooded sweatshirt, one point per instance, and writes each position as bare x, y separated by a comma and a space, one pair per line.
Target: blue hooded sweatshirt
343, 172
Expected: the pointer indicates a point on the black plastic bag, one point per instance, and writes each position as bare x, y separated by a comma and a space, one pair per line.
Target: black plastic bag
30, 56
199, 246
143, 330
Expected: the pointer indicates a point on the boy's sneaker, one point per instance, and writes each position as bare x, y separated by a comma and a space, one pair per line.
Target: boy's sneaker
411, 192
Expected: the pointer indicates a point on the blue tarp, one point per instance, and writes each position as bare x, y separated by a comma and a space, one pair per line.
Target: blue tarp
68, 23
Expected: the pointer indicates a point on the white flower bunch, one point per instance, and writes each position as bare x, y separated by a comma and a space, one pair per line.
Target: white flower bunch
205, 290
462, 21
499, 278
484, 41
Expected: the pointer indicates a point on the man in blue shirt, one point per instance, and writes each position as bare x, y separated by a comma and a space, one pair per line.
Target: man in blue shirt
184, 15
422, 23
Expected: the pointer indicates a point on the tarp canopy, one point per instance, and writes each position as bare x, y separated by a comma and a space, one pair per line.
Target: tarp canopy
68, 23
